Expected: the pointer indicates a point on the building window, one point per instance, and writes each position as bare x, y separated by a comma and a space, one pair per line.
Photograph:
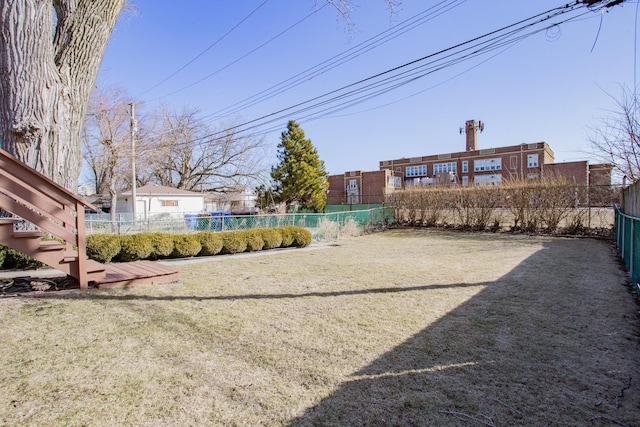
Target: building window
465, 180
394, 182
532, 160
487, 165
353, 184
493, 179
416, 170
445, 167
465, 166
168, 203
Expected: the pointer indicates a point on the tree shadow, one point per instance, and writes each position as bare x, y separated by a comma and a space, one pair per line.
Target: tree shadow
130, 297
520, 352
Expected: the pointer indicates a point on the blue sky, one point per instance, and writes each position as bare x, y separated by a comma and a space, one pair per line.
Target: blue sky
552, 86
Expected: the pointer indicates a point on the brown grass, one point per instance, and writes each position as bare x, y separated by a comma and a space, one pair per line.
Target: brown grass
399, 328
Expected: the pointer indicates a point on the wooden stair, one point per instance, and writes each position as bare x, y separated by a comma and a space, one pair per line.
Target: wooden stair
48, 208
51, 252
52, 209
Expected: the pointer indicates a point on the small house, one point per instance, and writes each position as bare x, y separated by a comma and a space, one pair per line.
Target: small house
154, 200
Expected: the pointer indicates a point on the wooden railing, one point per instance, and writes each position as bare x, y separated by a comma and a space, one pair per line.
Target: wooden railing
35, 198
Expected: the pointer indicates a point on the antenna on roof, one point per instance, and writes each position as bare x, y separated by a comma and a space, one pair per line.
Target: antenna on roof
472, 125
471, 128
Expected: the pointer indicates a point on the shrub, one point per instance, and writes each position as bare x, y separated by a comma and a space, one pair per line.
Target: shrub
272, 238
162, 244
233, 242
301, 237
295, 236
102, 247
19, 261
287, 235
185, 245
254, 240
211, 243
328, 230
3, 255
351, 228
134, 247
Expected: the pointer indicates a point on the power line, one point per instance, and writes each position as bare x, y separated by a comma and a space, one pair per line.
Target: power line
205, 50
391, 79
341, 58
379, 39
346, 91
208, 76
429, 88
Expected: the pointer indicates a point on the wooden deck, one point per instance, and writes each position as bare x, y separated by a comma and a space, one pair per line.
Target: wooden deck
123, 275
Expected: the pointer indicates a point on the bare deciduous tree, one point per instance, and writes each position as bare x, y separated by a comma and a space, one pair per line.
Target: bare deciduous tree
187, 154
106, 136
106, 141
616, 138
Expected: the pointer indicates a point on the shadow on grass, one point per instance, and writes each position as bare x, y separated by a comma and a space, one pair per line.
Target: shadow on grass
523, 351
387, 290
543, 345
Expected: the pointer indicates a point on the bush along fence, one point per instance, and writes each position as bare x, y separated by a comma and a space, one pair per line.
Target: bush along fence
627, 234
156, 245
549, 205
321, 225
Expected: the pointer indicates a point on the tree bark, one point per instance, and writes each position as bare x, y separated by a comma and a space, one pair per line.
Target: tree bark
46, 79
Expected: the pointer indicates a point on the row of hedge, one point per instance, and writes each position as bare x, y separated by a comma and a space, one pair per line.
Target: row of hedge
550, 204
154, 245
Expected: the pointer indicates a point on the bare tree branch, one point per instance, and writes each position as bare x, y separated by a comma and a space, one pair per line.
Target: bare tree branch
345, 9
183, 156
616, 137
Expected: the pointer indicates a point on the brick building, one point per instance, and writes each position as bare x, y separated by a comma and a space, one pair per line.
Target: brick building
582, 173
474, 166
490, 166
358, 187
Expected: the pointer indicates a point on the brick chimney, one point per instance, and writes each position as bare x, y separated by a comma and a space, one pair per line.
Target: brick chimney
471, 131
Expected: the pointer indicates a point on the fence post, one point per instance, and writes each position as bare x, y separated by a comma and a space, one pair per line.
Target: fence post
371, 219
631, 248
619, 227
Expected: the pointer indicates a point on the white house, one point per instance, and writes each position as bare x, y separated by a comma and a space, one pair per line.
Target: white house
241, 201
86, 190
153, 200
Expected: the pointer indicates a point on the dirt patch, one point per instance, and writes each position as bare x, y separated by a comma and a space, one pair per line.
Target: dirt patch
405, 327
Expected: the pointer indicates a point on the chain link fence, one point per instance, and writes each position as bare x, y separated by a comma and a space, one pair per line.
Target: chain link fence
627, 233
321, 225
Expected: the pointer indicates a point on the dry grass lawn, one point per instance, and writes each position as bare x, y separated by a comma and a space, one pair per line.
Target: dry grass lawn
401, 328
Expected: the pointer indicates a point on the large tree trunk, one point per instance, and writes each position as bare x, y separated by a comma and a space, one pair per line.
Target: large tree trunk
46, 79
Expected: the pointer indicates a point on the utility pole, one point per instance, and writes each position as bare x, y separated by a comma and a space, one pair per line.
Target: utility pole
134, 129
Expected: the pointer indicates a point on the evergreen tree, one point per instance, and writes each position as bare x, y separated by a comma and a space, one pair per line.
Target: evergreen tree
300, 176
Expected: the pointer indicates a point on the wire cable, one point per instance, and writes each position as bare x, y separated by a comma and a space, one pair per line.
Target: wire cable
399, 76
341, 58
208, 76
205, 50
541, 17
